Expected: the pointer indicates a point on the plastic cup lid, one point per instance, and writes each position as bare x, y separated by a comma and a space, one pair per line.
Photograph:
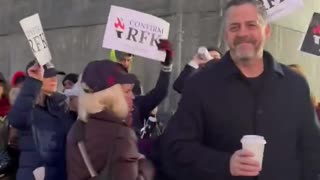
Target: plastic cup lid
253, 139
202, 50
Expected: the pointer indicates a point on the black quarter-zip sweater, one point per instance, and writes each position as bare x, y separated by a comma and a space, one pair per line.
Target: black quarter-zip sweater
219, 106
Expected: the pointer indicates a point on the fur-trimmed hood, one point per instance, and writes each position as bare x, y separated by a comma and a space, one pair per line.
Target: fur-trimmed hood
111, 100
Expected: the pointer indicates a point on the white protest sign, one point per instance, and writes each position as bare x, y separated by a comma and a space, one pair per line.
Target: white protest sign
135, 32
280, 8
33, 30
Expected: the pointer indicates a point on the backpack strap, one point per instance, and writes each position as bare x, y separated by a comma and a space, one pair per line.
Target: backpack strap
86, 158
106, 172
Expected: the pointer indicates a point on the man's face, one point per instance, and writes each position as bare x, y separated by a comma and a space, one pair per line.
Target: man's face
215, 55
126, 62
67, 84
245, 32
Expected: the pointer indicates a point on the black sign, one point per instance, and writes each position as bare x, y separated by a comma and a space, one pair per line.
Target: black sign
311, 42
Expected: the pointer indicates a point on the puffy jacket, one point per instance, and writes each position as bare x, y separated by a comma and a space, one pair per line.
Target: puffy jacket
47, 125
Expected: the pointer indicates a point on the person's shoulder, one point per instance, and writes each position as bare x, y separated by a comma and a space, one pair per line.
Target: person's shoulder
209, 72
292, 75
205, 78
295, 79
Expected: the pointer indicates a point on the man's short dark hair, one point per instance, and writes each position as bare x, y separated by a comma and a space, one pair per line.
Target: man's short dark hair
256, 3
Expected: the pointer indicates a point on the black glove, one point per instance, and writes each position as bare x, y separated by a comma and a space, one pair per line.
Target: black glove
165, 45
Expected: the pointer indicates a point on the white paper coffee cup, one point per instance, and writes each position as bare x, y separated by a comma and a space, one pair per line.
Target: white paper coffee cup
254, 144
204, 53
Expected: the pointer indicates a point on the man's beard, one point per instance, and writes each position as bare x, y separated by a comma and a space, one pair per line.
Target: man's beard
245, 55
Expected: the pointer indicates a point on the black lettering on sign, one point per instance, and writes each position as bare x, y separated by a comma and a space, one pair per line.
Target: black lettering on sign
143, 37
31, 45
154, 39
271, 3
43, 39
132, 34
38, 42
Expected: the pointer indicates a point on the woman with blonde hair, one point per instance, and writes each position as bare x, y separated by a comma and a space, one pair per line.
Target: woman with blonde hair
102, 144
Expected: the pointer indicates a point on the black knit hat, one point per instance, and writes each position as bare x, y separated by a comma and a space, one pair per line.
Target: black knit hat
100, 75
71, 77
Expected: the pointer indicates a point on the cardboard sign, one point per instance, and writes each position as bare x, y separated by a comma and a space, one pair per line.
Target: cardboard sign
135, 32
280, 8
311, 42
33, 30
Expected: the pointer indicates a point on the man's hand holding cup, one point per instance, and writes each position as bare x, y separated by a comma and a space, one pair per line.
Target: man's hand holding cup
243, 164
248, 161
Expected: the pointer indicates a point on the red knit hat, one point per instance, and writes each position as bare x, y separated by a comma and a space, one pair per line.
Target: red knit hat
17, 78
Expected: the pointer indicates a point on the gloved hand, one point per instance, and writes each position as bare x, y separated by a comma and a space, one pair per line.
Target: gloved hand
165, 45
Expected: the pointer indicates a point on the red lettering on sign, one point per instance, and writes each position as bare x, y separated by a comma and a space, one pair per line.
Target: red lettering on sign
316, 30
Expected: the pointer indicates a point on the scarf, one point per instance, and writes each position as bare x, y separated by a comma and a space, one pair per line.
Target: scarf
4, 107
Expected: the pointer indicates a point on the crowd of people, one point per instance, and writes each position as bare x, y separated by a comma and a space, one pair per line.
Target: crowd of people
103, 126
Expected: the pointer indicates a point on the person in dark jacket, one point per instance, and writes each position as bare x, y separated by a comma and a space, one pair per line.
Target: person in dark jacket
41, 117
13, 147
246, 93
4, 97
144, 104
5, 170
5, 107
102, 145
193, 66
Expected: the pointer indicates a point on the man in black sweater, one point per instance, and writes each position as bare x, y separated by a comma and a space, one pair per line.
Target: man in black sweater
246, 93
